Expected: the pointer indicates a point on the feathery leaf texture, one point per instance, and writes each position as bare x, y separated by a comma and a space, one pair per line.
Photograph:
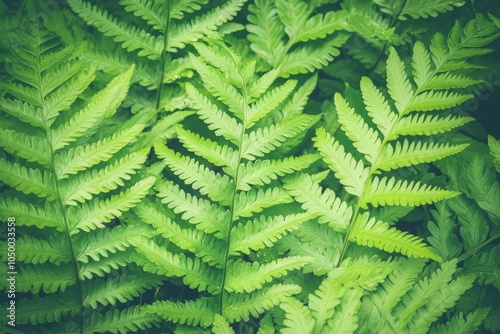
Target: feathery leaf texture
54, 164
291, 39
367, 172
218, 208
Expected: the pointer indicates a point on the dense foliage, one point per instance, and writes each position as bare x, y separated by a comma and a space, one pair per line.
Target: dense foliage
249, 166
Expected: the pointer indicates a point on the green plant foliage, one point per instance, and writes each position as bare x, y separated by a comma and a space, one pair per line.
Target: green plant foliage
64, 184
249, 166
219, 218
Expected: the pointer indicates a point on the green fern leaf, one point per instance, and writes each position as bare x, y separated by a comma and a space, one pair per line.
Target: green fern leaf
261, 172
106, 242
373, 233
442, 229
323, 204
195, 273
421, 124
149, 11
121, 289
257, 302
201, 213
94, 214
49, 278
31, 148
246, 277
377, 107
408, 154
495, 151
398, 83
264, 140
350, 172
444, 299
418, 9
221, 326
200, 26
121, 321
363, 137
131, 38
28, 214
46, 309
216, 186
263, 232
40, 251
384, 191
83, 157
219, 155
199, 312
459, 325
248, 203
104, 104
27, 180
298, 317
92, 182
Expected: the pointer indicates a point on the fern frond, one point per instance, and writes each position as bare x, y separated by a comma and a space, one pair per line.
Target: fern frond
219, 155
120, 289
106, 242
264, 140
261, 172
216, 186
364, 139
103, 104
202, 311
422, 292
257, 302
311, 42
197, 28
83, 157
95, 213
201, 213
262, 232
195, 273
298, 317
150, 11
39, 251
131, 38
49, 278
350, 172
87, 184
46, 309
460, 325
27, 180
122, 321
217, 121
377, 106
324, 204
421, 124
28, 214
442, 229
407, 154
373, 233
246, 277
384, 191
495, 151
418, 9
29, 147
248, 203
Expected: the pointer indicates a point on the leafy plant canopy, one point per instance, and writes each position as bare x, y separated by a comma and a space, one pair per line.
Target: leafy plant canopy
249, 166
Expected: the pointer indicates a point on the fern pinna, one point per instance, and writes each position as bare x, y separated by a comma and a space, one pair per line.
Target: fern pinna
66, 175
152, 36
227, 204
386, 134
